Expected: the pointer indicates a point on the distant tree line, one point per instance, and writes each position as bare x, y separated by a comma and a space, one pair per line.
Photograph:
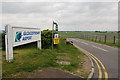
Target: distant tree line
107, 31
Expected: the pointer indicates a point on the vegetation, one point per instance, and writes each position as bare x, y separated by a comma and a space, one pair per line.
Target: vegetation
28, 59
2, 41
46, 37
92, 37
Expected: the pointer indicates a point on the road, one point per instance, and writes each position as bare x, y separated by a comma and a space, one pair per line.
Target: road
104, 57
52, 74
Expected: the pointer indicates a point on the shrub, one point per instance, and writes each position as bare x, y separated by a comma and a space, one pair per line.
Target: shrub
46, 37
2, 40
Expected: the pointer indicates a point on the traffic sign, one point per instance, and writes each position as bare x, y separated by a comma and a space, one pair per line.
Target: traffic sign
56, 41
56, 36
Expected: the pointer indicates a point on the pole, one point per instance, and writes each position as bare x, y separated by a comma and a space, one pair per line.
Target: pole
100, 39
9, 44
114, 40
39, 42
96, 38
105, 38
52, 34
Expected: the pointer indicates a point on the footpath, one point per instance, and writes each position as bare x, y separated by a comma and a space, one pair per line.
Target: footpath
50, 73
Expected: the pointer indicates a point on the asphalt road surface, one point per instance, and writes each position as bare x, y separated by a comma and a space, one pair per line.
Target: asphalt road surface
104, 57
52, 73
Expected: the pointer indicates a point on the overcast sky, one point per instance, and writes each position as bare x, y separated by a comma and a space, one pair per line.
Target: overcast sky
69, 15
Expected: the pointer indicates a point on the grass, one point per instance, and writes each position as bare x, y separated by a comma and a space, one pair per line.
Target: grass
77, 34
28, 59
83, 35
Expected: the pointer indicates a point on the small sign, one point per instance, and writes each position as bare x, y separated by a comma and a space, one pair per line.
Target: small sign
56, 41
56, 36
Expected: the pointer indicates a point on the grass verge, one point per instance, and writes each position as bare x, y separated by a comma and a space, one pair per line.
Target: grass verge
80, 35
28, 59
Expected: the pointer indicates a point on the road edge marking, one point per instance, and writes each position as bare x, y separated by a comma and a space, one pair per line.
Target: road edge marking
93, 66
105, 72
99, 68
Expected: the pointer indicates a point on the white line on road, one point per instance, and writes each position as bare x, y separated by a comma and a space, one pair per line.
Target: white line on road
85, 43
92, 45
99, 48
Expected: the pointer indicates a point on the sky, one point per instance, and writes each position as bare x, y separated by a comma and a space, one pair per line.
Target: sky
70, 16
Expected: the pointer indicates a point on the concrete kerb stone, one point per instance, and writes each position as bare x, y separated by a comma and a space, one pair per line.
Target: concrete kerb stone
63, 62
92, 64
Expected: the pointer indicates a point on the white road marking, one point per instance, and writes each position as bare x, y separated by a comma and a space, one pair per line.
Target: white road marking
85, 43
92, 45
99, 48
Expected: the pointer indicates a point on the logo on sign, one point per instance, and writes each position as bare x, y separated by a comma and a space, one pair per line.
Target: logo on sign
18, 36
55, 35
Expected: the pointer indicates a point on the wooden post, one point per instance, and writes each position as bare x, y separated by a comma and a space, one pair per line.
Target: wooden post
96, 38
105, 38
92, 38
114, 40
100, 39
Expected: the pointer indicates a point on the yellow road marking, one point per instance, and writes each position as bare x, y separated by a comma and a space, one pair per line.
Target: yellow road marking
99, 69
93, 57
105, 72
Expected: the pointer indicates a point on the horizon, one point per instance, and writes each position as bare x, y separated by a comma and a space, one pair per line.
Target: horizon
77, 31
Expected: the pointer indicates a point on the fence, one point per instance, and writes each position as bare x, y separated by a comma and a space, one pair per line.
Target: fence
105, 38
100, 38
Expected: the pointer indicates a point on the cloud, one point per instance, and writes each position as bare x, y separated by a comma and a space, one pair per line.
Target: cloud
69, 15
60, 0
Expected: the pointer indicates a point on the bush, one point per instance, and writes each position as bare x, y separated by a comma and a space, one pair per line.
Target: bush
46, 37
2, 41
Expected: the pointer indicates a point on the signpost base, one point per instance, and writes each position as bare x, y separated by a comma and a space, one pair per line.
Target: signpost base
39, 44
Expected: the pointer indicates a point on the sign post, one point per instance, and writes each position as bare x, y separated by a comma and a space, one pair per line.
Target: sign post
39, 44
9, 45
55, 39
16, 36
52, 33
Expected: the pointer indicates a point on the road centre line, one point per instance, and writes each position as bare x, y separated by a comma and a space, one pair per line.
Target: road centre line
85, 43
99, 48
95, 58
101, 44
98, 44
92, 46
